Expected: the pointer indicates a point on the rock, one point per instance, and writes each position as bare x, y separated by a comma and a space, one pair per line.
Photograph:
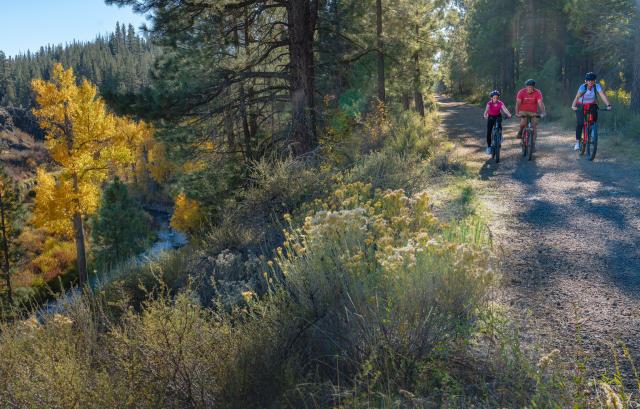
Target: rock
6, 120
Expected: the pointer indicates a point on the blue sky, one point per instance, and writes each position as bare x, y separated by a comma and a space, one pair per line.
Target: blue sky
29, 24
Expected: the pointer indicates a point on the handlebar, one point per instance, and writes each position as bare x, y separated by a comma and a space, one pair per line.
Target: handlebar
524, 116
606, 108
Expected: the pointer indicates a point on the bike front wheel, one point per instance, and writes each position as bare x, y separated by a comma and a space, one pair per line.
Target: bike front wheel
592, 146
495, 145
530, 142
523, 142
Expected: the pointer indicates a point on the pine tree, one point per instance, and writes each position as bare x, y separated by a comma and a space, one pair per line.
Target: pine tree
10, 205
121, 227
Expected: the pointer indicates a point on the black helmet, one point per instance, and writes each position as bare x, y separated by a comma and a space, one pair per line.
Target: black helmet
494, 92
530, 83
590, 76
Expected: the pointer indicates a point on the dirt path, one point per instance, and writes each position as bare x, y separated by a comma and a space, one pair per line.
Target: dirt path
569, 233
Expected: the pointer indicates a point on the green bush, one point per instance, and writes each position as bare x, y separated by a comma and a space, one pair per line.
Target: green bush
383, 284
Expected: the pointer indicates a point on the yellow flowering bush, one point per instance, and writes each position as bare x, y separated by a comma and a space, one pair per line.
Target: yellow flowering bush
367, 263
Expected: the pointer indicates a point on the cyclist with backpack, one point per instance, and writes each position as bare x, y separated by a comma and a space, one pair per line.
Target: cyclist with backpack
493, 114
587, 98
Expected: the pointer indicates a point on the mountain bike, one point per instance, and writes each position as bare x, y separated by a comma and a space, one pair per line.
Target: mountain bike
496, 141
589, 139
528, 137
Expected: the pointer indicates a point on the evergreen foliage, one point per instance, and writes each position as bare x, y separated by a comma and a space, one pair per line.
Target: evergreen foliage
121, 228
497, 44
10, 211
119, 64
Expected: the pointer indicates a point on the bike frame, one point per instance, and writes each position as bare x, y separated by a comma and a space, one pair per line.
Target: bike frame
528, 128
588, 121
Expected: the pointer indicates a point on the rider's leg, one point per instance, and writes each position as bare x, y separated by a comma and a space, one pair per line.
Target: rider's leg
490, 123
579, 123
523, 123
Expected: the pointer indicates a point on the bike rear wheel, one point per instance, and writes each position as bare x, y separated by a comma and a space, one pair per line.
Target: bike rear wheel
530, 142
592, 146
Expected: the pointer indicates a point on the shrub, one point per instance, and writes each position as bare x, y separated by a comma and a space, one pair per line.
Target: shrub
384, 170
382, 283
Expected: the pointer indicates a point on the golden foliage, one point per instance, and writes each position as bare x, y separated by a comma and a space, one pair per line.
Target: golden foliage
57, 258
187, 215
87, 142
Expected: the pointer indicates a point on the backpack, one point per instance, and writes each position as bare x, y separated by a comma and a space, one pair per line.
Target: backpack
583, 90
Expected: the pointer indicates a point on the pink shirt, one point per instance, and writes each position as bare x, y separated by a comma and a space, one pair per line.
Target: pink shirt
529, 101
494, 109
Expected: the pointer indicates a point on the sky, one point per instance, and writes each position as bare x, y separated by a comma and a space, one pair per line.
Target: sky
29, 24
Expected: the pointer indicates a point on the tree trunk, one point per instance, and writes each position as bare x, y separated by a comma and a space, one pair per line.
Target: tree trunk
5, 250
417, 94
301, 18
380, 45
245, 125
78, 232
530, 42
635, 87
406, 101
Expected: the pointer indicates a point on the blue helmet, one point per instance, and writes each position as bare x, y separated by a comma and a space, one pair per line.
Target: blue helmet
590, 76
494, 92
530, 83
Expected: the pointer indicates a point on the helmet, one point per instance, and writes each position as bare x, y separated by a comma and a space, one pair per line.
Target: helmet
591, 76
530, 83
494, 92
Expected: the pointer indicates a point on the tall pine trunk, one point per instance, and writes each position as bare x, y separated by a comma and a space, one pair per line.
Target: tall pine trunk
380, 45
5, 249
301, 17
417, 79
78, 233
635, 87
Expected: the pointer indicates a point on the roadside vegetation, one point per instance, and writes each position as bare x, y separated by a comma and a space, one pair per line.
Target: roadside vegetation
338, 255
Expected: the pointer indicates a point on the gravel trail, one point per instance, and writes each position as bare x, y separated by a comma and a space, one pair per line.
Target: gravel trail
568, 234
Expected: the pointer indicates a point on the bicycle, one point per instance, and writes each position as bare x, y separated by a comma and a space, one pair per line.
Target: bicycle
496, 141
528, 137
589, 139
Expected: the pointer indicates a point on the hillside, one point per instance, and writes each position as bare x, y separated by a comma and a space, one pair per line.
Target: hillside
21, 154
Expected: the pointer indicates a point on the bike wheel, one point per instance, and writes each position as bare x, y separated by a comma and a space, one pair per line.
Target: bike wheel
523, 142
530, 143
495, 146
593, 142
583, 143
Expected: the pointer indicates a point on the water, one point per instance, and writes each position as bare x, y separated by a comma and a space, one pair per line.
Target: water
167, 239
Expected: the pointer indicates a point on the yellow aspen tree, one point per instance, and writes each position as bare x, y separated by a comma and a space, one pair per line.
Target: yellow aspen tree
83, 139
187, 215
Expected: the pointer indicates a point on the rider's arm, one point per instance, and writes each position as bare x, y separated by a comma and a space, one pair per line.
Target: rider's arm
486, 110
518, 102
506, 111
543, 110
604, 98
575, 101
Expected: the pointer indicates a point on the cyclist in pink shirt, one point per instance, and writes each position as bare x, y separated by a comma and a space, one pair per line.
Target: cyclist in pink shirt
493, 113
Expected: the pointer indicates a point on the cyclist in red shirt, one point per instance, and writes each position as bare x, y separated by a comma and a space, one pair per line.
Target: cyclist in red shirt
528, 104
493, 113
